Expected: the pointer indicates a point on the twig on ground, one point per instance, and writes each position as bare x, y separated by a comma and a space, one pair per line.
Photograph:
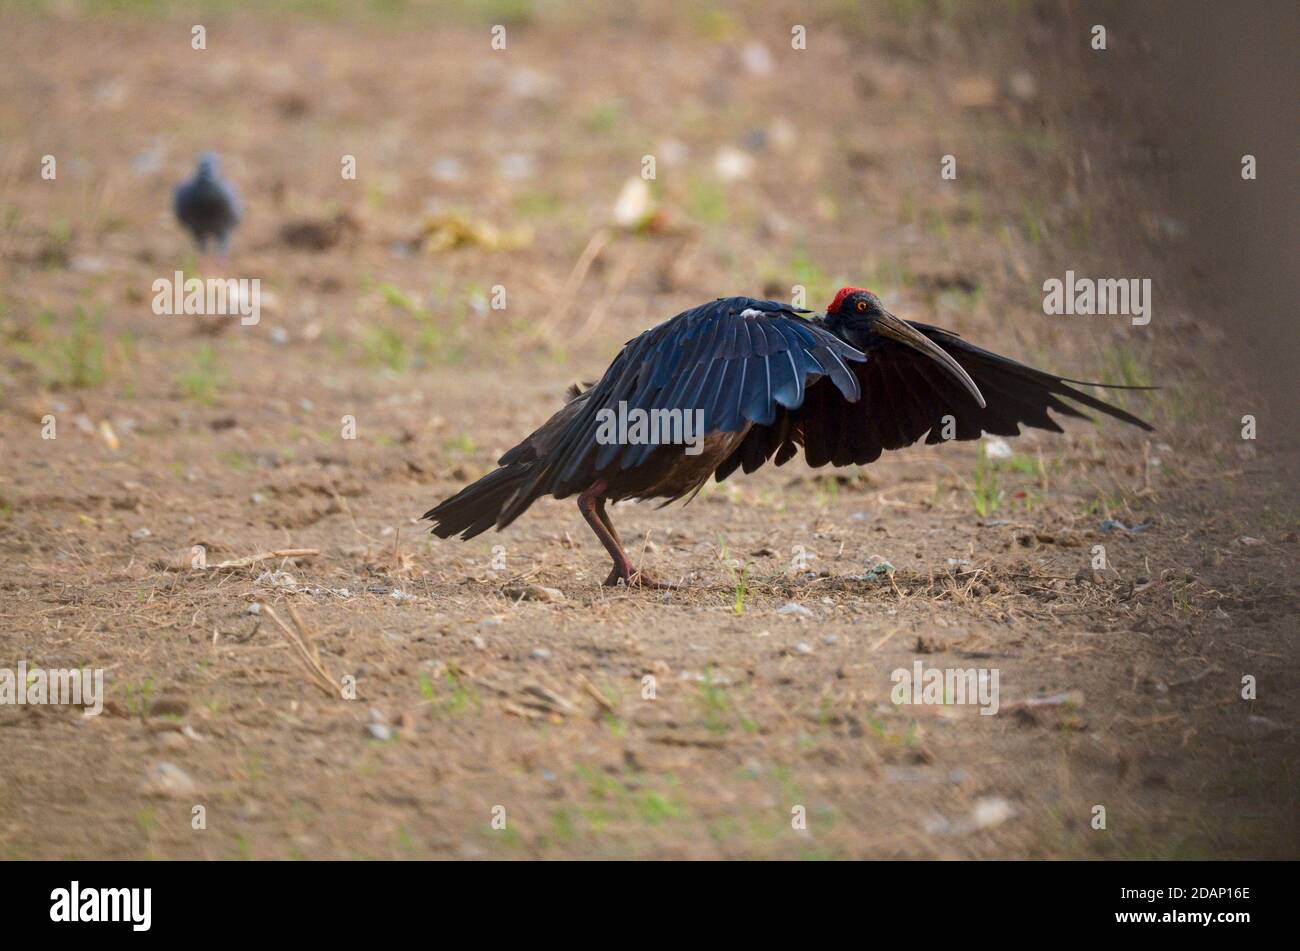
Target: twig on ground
268, 556
301, 642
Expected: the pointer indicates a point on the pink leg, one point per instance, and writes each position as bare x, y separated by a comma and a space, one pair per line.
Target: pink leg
592, 506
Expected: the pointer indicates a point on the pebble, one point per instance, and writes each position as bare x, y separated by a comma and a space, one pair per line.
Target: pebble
517, 166
168, 781
997, 448
533, 592
276, 579
797, 610
732, 165
990, 811
634, 203
448, 170
1022, 86
757, 59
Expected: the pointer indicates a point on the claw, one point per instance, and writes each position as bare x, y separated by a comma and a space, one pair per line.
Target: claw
636, 579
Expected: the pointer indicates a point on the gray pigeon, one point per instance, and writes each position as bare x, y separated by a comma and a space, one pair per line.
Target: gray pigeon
208, 206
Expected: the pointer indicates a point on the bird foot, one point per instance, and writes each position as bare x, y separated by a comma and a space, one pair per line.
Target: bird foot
635, 579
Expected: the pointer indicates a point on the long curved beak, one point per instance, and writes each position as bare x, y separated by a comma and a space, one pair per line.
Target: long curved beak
890, 326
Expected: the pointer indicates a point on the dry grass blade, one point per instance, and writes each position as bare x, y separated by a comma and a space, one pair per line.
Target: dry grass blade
268, 556
300, 641
594, 692
594, 247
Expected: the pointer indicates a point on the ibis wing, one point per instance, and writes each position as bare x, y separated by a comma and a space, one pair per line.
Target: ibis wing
735, 362
906, 396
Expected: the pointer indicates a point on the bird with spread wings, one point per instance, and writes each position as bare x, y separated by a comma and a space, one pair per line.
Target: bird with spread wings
763, 381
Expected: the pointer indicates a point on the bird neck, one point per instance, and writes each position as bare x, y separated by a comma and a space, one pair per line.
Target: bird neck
851, 332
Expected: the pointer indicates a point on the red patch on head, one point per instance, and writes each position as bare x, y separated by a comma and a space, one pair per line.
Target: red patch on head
843, 293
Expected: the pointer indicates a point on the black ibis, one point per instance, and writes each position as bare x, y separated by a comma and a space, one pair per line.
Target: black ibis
734, 383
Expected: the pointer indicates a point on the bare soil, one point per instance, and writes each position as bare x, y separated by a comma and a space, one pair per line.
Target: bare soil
473, 701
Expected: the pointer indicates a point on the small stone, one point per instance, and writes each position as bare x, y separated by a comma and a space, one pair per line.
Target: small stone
732, 165
380, 731
88, 264
782, 135
757, 59
533, 592
671, 152
540, 653
634, 205
990, 811
996, 448
802, 648
447, 170
517, 166
1022, 86
168, 781
277, 579
796, 610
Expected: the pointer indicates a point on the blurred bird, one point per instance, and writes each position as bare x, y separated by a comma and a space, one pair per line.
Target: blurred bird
766, 380
208, 206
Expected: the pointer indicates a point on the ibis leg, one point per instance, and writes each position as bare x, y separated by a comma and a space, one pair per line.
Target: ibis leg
592, 506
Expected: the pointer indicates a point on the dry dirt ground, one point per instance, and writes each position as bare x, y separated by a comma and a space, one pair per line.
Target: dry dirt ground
478, 168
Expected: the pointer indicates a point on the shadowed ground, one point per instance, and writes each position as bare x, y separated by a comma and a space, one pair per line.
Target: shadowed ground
477, 687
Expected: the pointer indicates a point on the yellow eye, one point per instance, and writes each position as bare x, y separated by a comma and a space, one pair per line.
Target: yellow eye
862, 305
